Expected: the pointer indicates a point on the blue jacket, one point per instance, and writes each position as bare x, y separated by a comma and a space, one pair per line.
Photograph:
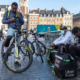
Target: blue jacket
12, 15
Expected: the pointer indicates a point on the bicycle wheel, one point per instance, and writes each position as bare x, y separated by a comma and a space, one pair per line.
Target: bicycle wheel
42, 47
24, 60
30, 46
2, 49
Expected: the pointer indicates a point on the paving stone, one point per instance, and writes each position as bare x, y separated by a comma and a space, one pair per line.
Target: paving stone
37, 71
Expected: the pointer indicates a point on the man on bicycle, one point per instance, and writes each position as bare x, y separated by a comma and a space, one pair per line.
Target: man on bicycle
11, 17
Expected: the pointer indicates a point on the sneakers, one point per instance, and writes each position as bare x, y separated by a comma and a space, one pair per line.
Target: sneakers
17, 63
52, 66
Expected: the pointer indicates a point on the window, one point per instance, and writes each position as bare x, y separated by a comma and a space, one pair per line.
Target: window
52, 15
30, 22
52, 20
44, 15
41, 20
44, 20
56, 15
33, 22
65, 23
36, 17
48, 15
33, 17
33, 12
60, 15
60, 20
65, 18
30, 27
48, 20
30, 17
57, 20
67, 12
40, 15
36, 22
70, 18
2, 9
33, 27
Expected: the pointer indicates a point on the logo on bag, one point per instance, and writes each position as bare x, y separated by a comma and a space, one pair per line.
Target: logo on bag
57, 63
69, 73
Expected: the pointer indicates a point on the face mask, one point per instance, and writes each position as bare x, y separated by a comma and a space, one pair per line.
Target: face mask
62, 32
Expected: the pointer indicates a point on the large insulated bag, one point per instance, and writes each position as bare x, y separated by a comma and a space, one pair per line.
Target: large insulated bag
65, 66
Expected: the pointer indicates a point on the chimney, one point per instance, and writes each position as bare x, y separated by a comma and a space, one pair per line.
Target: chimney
53, 10
39, 9
45, 9
62, 9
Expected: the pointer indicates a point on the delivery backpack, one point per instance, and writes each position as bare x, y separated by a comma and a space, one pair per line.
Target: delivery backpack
50, 56
65, 66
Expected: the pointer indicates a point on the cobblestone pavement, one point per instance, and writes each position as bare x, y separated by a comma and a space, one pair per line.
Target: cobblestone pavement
37, 71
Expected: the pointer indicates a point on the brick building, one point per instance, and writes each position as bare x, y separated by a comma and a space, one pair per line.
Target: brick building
76, 20
50, 17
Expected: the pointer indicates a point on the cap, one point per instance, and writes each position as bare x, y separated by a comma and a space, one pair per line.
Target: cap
63, 28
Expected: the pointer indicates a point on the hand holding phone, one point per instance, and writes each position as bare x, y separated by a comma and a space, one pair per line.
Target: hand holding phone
13, 19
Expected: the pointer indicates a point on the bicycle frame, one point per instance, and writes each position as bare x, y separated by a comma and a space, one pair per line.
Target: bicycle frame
15, 43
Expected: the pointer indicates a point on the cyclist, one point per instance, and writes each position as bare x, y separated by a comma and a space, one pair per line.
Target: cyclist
11, 17
64, 39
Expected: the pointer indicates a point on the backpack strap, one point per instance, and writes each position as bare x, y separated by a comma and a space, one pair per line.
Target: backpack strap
8, 14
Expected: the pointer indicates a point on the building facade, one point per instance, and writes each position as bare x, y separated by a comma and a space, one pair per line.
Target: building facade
3, 9
33, 19
76, 20
51, 17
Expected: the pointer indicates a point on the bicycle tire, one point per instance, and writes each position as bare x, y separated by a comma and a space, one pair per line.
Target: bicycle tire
21, 70
2, 49
43, 46
31, 45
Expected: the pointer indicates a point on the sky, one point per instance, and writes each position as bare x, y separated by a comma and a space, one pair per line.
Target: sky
71, 5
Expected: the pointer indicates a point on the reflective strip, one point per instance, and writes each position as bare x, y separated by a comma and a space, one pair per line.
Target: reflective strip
10, 67
15, 52
8, 14
67, 60
53, 72
58, 57
30, 47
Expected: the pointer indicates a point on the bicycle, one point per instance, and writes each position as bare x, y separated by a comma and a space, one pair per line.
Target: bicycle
18, 55
40, 49
27, 43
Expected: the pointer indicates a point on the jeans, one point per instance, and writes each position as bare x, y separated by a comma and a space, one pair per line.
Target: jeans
59, 47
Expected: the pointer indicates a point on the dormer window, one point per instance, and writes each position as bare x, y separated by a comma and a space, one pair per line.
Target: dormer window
60, 15
48, 15
67, 12
56, 15
33, 12
44, 15
40, 15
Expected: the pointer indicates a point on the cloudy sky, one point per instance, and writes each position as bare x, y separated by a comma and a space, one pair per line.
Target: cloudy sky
71, 5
